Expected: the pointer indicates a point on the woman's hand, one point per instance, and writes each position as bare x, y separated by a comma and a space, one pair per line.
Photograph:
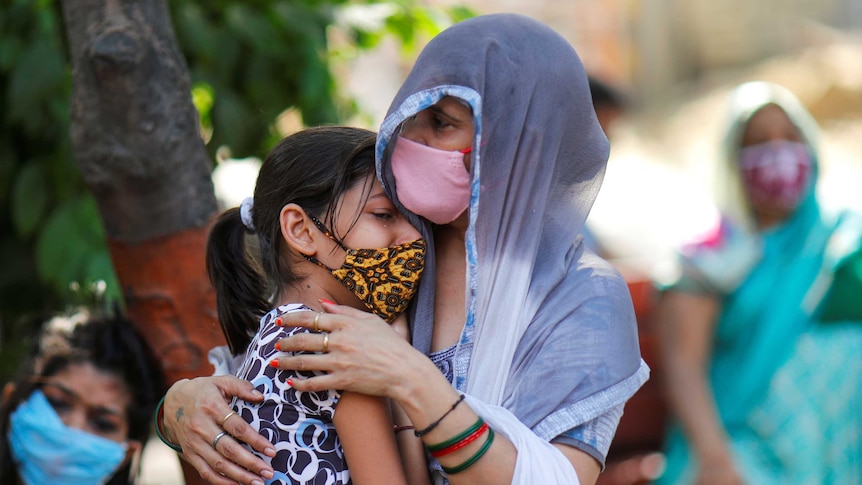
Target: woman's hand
364, 354
194, 411
717, 470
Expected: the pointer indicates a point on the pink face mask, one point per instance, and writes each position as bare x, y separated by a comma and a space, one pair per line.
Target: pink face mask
776, 173
431, 183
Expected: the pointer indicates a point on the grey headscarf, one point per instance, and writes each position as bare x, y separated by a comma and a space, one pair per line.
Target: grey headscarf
550, 332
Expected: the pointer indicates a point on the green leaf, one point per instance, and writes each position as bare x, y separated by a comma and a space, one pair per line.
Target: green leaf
29, 198
71, 235
195, 33
10, 49
38, 77
234, 124
98, 267
252, 28
58, 251
90, 221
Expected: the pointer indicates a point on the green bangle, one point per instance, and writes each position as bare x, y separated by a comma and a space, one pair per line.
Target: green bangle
473, 459
472, 429
157, 418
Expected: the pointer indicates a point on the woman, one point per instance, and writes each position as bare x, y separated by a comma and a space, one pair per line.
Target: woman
508, 154
765, 390
80, 412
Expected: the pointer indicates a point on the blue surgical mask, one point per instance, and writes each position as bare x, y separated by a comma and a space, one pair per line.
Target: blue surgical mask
47, 451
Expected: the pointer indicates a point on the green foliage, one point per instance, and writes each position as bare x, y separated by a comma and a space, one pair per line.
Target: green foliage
257, 59
249, 61
410, 24
36, 168
72, 247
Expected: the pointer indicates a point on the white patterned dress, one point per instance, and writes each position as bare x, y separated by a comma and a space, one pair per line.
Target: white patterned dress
299, 424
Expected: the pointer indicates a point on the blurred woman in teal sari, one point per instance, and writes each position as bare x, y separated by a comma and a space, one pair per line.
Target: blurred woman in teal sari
762, 345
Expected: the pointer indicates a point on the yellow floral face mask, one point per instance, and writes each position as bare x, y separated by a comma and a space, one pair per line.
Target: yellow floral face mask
385, 279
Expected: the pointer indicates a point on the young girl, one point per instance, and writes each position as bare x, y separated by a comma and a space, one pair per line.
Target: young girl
80, 412
317, 208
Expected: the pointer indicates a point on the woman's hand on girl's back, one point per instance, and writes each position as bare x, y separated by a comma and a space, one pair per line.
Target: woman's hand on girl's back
364, 354
193, 415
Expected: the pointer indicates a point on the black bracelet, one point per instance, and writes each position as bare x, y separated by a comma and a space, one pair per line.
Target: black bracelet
422, 432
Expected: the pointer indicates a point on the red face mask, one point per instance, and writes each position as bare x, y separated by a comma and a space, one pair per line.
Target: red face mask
776, 173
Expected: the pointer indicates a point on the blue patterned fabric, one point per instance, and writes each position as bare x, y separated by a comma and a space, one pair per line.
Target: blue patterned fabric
298, 424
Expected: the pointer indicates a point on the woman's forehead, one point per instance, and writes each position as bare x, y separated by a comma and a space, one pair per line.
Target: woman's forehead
91, 386
452, 106
770, 119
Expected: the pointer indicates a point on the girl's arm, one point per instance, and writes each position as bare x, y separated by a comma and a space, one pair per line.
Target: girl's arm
365, 430
410, 447
685, 327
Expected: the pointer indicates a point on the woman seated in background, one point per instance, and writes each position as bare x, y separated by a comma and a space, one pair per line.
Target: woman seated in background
81, 410
761, 343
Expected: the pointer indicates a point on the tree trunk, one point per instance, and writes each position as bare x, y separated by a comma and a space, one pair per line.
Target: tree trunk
134, 133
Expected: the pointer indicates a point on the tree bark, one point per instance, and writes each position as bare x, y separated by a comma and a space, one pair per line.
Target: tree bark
134, 133
134, 127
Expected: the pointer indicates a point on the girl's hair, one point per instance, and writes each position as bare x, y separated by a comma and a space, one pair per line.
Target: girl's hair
110, 343
313, 169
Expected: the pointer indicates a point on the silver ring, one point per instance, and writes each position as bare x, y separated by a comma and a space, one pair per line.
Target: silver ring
218, 437
325, 342
316, 320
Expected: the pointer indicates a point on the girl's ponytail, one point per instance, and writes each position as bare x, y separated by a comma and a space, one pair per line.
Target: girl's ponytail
240, 286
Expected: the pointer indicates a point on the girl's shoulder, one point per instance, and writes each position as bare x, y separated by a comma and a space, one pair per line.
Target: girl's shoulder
276, 312
263, 343
268, 320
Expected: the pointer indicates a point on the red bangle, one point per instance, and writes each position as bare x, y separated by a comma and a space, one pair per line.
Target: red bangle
462, 443
403, 427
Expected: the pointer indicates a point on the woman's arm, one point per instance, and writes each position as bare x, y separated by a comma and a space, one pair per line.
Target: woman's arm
365, 430
193, 410
685, 328
367, 357
586, 466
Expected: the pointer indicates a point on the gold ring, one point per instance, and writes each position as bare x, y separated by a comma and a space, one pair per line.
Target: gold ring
316, 320
325, 342
227, 416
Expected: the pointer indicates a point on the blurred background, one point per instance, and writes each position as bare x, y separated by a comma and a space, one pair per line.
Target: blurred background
263, 69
